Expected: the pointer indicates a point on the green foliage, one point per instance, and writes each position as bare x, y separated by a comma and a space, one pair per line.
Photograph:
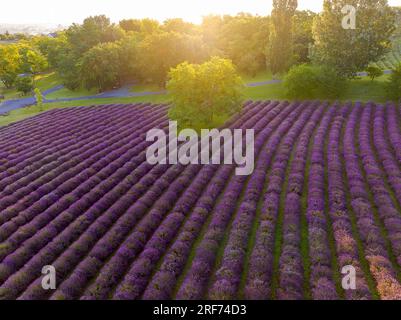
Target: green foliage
351, 50
149, 26
394, 85
140, 26
93, 31
68, 69
99, 67
159, 52
374, 72
51, 48
32, 61
108, 65
302, 24
79, 39
127, 63
180, 26
131, 25
244, 39
281, 43
204, 94
312, 82
24, 85
9, 65
13, 36
147, 49
15, 59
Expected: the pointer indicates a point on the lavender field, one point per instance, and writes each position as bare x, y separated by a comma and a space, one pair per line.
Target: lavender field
77, 193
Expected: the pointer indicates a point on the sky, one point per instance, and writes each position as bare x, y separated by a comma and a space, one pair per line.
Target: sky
66, 12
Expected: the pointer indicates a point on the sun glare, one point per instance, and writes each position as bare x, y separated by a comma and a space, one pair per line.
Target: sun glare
66, 12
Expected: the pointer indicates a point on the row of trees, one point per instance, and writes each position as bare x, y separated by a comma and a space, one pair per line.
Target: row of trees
6, 36
146, 50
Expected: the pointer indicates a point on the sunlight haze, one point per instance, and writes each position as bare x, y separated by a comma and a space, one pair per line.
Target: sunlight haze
66, 12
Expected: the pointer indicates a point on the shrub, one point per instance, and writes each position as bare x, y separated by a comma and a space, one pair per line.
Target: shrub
374, 72
311, 82
394, 84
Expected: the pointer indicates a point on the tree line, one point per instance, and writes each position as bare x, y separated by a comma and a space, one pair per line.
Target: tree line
100, 55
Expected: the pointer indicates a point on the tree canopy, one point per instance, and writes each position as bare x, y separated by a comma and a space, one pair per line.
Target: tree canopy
20, 58
159, 52
351, 50
281, 42
204, 95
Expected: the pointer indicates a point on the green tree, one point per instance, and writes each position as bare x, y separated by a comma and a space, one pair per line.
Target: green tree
128, 65
351, 50
131, 25
99, 67
281, 42
80, 39
9, 64
24, 85
39, 99
180, 26
149, 26
51, 48
244, 39
142, 26
68, 68
204, 95
94, 30
302, 24
394, 84
32, 61
161, 51
374, 72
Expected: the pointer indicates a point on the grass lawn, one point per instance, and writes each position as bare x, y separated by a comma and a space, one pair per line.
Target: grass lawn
43, 82
146, 88
47, 81
20, 114
259, 77
67, 93
9, 93
365, 90
274, 91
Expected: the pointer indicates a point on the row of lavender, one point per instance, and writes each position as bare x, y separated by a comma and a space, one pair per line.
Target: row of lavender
77, 193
